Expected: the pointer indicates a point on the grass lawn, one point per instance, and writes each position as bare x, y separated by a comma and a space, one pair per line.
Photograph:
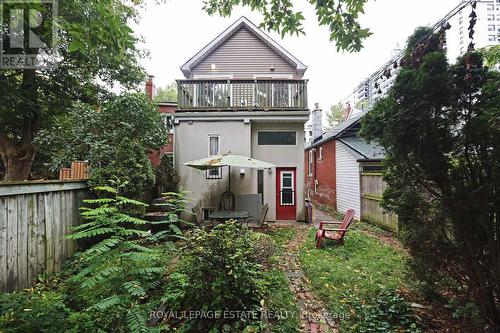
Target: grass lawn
358, 283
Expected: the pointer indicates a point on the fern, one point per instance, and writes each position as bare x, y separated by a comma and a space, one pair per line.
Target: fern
134, 288
136, 322
107, 303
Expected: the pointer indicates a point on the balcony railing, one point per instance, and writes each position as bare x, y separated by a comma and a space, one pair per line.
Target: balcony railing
242, 94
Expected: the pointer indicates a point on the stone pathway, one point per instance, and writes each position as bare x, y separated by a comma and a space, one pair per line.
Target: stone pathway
313, 315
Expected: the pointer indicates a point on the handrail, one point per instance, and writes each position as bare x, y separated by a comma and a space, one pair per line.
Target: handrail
253, 94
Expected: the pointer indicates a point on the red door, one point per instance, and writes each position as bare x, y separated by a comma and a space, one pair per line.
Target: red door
286, 199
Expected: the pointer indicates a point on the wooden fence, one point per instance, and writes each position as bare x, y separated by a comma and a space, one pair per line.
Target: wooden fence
34, 218
372, 188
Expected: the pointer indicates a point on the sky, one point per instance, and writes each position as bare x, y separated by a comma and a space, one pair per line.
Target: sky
174, 31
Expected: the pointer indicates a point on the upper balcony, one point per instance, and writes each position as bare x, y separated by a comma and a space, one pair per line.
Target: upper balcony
244, 95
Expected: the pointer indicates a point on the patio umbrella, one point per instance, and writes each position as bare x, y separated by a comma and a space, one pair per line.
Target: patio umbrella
228, 160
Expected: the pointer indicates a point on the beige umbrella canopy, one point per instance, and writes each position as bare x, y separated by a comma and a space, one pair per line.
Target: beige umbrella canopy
228, 160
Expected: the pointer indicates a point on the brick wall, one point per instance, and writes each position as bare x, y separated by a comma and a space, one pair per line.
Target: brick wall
324, 173
155, 156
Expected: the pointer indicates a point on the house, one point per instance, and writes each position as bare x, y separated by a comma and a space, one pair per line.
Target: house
344, 171
167, 109
243, 93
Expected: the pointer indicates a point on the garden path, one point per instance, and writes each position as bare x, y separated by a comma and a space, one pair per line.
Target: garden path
314, 316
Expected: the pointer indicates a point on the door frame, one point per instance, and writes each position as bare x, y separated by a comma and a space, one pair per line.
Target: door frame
286, 212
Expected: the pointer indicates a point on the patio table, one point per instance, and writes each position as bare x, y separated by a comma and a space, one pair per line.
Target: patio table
229, 214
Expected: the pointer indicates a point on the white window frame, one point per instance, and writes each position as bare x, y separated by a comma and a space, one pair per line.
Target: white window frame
292, 187
310, 163
320, 155
218, 176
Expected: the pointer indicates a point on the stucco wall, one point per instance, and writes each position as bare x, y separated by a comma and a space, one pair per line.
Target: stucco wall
238, 137
191, 143
281, 156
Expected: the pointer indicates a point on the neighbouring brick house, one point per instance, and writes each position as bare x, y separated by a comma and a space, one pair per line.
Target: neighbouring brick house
344, 172
167, 109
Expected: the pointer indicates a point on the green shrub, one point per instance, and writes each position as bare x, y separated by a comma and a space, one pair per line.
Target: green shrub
166, 177
385, 312
217, 275
125, 166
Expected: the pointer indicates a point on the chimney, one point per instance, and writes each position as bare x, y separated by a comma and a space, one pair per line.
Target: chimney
347, 111
150, 87
317, 122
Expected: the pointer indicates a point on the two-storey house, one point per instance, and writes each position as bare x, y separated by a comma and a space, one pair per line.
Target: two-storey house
243, 93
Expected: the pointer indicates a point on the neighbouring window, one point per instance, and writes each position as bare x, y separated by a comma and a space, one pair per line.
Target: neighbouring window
277, 138
320, 157
213, 150
168, 120
491, 38
491, 27
490, 6
310, 163
491, 17
260, 183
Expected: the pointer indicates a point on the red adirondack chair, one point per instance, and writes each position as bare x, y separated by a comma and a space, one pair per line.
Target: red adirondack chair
335, 234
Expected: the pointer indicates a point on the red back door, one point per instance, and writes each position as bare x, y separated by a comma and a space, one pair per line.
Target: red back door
286, 195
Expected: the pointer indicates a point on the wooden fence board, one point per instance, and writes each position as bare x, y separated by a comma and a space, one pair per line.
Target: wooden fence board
34, 220
22, 241
372, 188
3, 243
11, 243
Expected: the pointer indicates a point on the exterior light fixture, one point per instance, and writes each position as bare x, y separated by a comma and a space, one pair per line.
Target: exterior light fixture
213, 67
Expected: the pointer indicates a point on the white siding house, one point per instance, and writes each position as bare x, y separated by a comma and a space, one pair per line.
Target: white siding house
348, 196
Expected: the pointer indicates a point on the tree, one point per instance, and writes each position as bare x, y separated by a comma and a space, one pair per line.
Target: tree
439, 127
341, 17
96, 50
336, 115
166, 94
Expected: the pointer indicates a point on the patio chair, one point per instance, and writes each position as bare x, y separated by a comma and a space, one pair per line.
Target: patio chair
334, 234
253, 223
227, 201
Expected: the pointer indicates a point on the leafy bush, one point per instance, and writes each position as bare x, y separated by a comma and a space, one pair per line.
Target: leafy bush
166, 177
385, 312
114, 137
216, 275
126, 166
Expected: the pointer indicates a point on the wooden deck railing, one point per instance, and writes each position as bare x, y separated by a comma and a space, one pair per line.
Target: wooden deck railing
242, 94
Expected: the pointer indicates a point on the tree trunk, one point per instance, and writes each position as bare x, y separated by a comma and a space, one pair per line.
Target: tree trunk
17, 159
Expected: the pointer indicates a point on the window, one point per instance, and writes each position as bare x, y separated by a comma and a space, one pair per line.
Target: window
278, 138
490, 6
213, 150
168, 120
491, 38
260, 183
320, 155
287, 197
310, 160
491, 27
491, 17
